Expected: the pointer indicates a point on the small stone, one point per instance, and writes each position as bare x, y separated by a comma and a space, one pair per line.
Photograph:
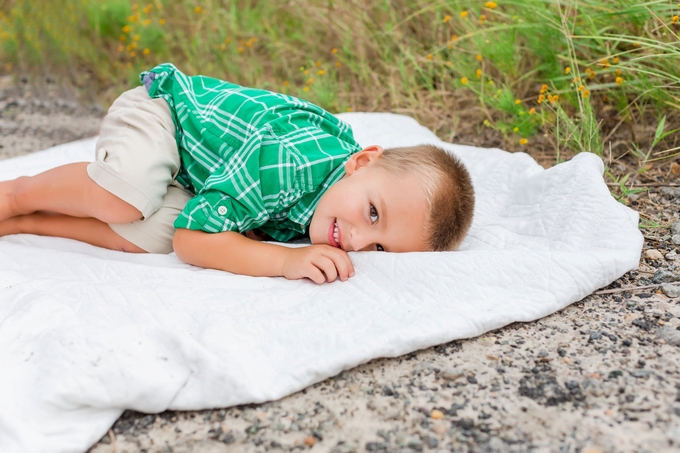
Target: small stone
432, 442
436, 414
7, 126
440, 428
310, 441
671, 256
674, 435
675, 228
670, 335
662, 276
653, 254
675, 239
641, 374
670, 290
450, 374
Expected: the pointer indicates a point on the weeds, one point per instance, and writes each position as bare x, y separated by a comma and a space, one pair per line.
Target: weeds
532, 65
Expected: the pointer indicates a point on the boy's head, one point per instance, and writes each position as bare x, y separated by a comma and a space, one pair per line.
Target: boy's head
409, 199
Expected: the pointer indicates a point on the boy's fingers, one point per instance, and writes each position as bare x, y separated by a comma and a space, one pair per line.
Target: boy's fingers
342, 264
328, 267
316, 275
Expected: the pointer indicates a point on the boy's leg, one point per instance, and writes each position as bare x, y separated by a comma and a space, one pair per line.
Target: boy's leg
67, 190
85, 229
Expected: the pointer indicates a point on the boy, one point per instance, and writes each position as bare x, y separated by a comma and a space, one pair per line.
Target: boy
210, 169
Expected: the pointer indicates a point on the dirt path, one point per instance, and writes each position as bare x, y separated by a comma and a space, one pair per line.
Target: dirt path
601, 375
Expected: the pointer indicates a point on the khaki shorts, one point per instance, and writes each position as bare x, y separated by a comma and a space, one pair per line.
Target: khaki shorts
137, 160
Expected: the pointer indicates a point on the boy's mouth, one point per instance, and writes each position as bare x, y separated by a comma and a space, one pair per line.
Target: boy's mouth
334, 236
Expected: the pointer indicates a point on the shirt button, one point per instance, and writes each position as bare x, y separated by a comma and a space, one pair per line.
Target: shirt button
222, 210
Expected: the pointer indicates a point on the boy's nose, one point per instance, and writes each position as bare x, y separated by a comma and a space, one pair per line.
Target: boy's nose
360, 241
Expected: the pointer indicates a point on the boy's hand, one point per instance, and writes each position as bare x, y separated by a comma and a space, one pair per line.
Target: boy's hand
319, 263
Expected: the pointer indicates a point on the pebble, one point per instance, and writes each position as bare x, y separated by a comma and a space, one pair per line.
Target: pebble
7, 126
451, 374
675, 239
675, 228
440, 428
670, 335
670, 290
670, 256
662, 276
653, 254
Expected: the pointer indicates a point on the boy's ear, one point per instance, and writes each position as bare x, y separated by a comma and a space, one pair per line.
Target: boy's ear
363, 158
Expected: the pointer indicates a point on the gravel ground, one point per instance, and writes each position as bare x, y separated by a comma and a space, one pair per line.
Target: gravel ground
602, 375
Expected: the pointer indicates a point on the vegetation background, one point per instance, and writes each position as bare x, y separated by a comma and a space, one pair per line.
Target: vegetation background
550, 77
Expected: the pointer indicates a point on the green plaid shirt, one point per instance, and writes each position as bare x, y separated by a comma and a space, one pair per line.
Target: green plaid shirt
254, 159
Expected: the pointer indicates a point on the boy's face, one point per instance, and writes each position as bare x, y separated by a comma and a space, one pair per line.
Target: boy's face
371, 209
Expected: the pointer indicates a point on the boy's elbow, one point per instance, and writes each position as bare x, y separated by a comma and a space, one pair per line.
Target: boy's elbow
180, 244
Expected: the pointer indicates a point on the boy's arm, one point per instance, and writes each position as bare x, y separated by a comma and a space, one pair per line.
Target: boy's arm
233, 252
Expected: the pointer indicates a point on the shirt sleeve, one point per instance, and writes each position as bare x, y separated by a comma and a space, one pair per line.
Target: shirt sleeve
214, 212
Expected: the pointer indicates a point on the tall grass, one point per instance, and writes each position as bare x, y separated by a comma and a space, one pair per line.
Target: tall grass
533, 65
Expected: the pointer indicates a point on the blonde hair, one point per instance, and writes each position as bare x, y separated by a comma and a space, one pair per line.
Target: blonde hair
446, 186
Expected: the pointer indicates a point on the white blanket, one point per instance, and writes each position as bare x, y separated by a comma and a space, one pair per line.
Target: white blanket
86, 332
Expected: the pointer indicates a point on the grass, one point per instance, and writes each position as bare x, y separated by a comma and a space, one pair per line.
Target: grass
561, 69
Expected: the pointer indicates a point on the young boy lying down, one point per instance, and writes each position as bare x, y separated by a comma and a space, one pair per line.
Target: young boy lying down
210, 169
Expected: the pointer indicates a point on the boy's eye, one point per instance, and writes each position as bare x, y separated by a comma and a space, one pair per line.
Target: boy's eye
373, 214
379, 248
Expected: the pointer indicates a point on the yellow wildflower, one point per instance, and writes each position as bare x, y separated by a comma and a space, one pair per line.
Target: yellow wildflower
321, 72
447, 18
478, 72
577, 79
517, 101
674, 19
306, 72
334, 51
136, 38
567, 70
429, 56
147, 22
132, 54
227, 40
515, 129
541, 98
120, 48
544, 88
240, 49
586, 93
619, 80
482, 17
618, 72
338, 64
478, 57
310, 80
464, 14
286, 83
126, 29
454, 37
464, 80
532, 111
305, 89
615, 60
581, 88
523, 141
490, 5
349, 109
591, 75
162, 21
554, 99
198, 9
146, 51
